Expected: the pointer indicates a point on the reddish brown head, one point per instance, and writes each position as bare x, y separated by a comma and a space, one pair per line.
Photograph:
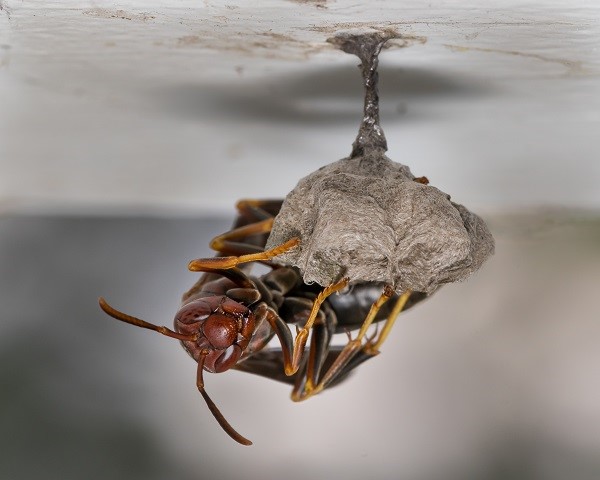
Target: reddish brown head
215, 330
223, 329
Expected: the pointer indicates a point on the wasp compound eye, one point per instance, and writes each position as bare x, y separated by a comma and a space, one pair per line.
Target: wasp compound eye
193, 312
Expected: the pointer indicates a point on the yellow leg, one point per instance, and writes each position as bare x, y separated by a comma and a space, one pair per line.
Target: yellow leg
347, 352
203, 264
302, 334
372, 348
219, 242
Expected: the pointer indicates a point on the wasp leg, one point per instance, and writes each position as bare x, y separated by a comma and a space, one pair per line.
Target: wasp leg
249, 235
372, 348
217, 263
252, 210
302, 382
302, 334
245, 251
319, 352
232, 242
298, 310
292, 350
270, 363
349, 351
245, 242
251, 228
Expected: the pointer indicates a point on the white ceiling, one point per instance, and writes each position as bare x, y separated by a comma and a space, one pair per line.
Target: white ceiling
188, 105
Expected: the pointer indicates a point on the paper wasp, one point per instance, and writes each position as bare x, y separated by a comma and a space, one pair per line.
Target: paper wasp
228, 317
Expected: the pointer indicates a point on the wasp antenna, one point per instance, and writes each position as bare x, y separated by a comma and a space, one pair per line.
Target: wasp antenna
229, 430
221, 419
141, 323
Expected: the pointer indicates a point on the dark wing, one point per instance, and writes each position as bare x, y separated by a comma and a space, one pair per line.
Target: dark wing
269, 364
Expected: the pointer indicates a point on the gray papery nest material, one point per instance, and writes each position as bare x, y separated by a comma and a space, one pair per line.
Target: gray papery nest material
365, 217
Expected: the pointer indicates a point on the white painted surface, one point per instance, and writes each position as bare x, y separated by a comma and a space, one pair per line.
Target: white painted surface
191, 105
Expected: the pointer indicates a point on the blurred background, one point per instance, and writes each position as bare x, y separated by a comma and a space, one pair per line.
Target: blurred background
129, 129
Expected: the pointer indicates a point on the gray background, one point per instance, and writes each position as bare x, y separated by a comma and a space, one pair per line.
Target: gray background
493, 378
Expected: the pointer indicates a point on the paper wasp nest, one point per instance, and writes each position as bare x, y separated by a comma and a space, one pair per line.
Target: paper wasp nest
366, 217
